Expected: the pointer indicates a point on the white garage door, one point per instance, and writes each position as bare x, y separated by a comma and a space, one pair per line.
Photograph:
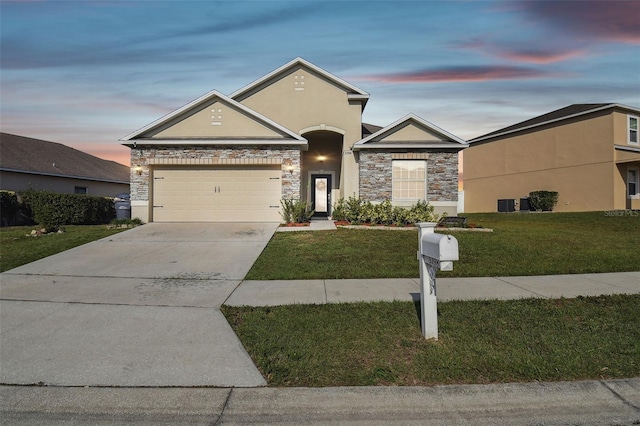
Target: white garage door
223, 194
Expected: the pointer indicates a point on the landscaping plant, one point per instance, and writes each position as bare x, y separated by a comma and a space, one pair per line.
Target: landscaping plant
52, 210
543, 200
295, 211
357, 211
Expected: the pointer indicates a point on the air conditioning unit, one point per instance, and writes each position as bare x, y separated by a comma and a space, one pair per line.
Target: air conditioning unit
506, 205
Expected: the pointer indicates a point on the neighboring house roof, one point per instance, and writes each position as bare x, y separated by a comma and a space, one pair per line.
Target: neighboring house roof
368, 129
21, 154
423, 135
144, 135
353, 93
565, 113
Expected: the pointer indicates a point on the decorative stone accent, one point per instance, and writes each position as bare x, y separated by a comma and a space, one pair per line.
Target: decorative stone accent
147, 157
376, 174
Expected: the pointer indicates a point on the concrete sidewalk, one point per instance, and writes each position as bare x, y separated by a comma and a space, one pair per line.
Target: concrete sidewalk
272, 293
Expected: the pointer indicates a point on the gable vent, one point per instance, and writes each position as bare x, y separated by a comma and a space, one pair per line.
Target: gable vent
298, 83
216, 116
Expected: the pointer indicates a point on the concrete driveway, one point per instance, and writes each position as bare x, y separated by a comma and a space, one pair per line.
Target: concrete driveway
140, 308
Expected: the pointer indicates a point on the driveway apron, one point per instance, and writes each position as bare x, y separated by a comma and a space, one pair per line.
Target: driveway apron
139, 308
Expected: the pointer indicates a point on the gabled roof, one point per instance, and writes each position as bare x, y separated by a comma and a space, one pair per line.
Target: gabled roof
287, 136
565, 113
444, 140
353, 92
34, 156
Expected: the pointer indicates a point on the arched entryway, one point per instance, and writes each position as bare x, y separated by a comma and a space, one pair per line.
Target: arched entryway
321, 170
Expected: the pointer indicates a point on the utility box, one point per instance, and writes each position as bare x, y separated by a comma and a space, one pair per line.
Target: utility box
524, 205
506, 205
443, 248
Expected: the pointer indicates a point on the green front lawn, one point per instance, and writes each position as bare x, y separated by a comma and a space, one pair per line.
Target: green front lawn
521, 244
479, 342
17, 248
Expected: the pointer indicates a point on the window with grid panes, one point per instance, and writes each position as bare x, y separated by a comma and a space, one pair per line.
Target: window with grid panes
409, 180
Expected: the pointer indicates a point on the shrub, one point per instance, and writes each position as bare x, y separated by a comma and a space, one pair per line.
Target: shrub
295, 211
543, 200
353, 208
422, 212
9, 206
356, 211
339, 211
52, 210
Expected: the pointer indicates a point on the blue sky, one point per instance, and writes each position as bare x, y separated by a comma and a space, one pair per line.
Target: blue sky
86, 73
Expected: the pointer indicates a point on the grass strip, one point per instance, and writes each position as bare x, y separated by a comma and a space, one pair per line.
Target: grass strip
17, 248
479, 342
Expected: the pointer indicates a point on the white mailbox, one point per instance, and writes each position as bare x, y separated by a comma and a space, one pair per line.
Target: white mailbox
443, 248
434, 251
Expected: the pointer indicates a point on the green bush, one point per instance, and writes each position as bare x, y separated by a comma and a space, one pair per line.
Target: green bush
543, 200
9, 206
295, 211
339, 211
52, 210
356, 211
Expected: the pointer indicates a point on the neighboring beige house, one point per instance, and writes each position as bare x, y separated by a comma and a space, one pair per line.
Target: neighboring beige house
588, 153
33, 163
296, 133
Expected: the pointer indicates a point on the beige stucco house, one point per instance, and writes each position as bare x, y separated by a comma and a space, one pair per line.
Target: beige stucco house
588, 153
296, 133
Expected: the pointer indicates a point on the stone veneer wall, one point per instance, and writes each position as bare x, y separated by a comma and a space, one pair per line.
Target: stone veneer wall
375, 174
146, 157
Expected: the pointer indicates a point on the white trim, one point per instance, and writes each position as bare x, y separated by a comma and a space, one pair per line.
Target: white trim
409, 146
626, 148
362, 95
214, 142
385, 131
322, 127
566, 117
637, 130
208, 98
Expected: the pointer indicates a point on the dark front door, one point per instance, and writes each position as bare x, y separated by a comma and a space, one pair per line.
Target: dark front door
321, 194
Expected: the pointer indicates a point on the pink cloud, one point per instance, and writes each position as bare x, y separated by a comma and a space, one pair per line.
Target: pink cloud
460, 74
539, 56
531, 54
608, 20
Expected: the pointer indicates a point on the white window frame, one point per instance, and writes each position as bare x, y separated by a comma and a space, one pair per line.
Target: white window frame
404, 200
636, 195
631, 118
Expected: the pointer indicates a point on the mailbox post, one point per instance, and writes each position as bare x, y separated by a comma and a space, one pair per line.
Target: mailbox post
435, 251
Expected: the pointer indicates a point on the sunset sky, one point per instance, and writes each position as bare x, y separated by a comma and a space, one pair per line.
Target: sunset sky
87, 73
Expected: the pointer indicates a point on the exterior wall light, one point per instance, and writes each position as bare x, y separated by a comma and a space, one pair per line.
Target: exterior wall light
290, 168
138, 170
321, 158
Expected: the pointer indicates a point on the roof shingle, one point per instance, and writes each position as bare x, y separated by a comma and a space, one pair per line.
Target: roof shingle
566, 112
28, 155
